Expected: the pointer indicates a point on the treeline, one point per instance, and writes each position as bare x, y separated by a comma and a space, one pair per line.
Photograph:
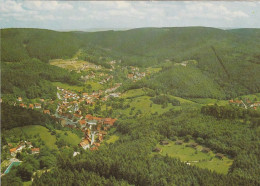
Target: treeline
15, 116
164, 100
32, 79
96, 55
22, 44
231, 112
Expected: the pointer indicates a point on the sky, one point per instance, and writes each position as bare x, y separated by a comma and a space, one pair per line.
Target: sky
83, 15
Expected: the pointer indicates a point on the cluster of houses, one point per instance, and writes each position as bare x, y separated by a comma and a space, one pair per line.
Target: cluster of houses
89, 66
105, 80
23, 145
112, 89
94, 126
32, 105
185, 63
135, 74
246, 104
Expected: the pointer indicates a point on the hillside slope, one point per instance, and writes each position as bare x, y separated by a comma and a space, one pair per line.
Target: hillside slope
238, 49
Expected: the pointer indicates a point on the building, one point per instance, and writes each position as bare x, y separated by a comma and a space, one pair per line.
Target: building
220, 156
37, 105
82, 123
31, 106
13, 152
205, 150
109, 121
91, 123
85, 144
35, 150
47, 112
156, 149
76, 153
179, 142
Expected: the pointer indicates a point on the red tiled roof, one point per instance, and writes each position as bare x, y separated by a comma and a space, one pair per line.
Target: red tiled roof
89, 117
78, 116
82, 122
94, 148
46, 112
109, 121
12, 150
36, 150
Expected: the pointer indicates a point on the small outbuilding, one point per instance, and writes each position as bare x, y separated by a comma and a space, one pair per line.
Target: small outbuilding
220, 156
193, 145
179, 142
156, 149
205, 150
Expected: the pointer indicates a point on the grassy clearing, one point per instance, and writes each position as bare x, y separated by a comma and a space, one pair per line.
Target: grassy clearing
196, 157
112, 139
70, 138
72, 64
67, 86
49, 140
153, 70
145, 105
182, 101
133, 93
209, 101
27, 183
35, 130
95, 86
139, 101
251, 97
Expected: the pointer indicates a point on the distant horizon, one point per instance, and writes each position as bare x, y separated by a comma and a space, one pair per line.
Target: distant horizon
122, 15
122, 29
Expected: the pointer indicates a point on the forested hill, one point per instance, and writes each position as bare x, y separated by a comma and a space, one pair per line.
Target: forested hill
166, 43
20, 44
238, 49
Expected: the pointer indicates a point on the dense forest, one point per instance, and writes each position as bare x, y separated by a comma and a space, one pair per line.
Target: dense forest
32, 79
130, 160
16, 116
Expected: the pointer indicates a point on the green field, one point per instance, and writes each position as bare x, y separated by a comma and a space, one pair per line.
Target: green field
32, 130
133, 93
153, 70
67, 86
112, 139
251, 97
72, 64
95, 86
45, 135
28, 183
209, 101
138, 100
196, 157
70, 138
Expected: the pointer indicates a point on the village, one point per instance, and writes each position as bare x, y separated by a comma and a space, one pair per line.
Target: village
135, 74
246, 103
69, 114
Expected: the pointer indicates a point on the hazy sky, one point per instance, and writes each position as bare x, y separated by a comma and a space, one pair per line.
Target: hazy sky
60, 15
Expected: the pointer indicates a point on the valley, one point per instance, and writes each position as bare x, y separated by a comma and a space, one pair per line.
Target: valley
119, 107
